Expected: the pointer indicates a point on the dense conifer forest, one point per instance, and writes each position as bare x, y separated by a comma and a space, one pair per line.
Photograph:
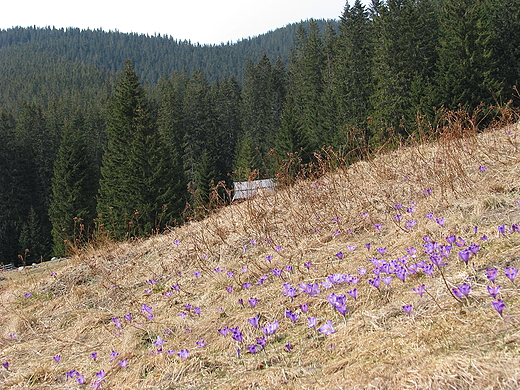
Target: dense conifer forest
116, 133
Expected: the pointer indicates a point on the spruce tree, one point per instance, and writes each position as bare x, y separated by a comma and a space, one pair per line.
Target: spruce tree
467, 63
74, 186
353, 67
135, 185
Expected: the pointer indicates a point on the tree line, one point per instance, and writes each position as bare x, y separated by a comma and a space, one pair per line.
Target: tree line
127, 157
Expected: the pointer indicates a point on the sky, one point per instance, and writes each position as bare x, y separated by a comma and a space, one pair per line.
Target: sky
202, 21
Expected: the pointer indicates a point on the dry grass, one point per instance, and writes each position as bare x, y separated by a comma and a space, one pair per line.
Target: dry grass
444, 344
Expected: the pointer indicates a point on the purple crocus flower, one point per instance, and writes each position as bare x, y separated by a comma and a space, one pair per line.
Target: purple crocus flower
113, 355
327, 328
288, 346
451, 239
304, 307
269, 258
224, 331
253, 348
289, 291
378, 226
159, 341
123, 363
6, 365
408, 309
492, 274
201, 343
57, 358
292, 315
313, 321
277, 272
462, 291
421, 289
387, 280
436, 259
502, 229
353, 293
511, 273
465, 254
261, 341
499, 306
236, 334
253, 301
474, 248
375, 282
229, 289
270, 328
254, 321
493, 291
339, 255
307, 264
183, 353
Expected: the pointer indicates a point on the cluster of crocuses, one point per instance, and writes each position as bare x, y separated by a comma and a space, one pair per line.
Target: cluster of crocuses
382, 274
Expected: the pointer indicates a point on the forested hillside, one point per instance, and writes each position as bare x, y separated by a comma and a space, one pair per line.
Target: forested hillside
115, 133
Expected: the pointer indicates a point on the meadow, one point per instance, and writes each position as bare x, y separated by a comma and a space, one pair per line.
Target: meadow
395, 272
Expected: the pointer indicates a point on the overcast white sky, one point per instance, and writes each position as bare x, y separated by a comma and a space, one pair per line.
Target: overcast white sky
203, 21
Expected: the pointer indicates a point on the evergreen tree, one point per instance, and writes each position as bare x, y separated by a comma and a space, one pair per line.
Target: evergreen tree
172, 131
354, 66
307, 81
467, 64
136, 179
199, 123
262, 101
8, 213
227, 102
405, 54
73, 200
31, 174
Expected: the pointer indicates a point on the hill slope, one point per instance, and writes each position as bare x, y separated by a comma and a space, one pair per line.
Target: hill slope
172, 311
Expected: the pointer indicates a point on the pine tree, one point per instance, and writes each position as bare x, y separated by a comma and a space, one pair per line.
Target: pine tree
73, 202
136, 179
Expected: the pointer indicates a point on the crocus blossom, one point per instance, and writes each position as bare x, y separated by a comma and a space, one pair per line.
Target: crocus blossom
327, 328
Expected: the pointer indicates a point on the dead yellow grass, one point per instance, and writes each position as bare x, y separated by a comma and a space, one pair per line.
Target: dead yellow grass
444, 344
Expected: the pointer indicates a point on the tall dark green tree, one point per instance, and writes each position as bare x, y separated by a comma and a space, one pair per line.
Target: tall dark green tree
8, 213
171, 128
506, 35
307, 82
74, 187
405, 56
135, 186
263, 94
31, 175
354, 64
227, 103
467, 73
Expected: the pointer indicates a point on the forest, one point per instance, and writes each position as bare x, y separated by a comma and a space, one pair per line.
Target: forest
115, 134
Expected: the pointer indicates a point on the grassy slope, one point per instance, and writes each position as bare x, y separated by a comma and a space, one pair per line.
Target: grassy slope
443, 344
